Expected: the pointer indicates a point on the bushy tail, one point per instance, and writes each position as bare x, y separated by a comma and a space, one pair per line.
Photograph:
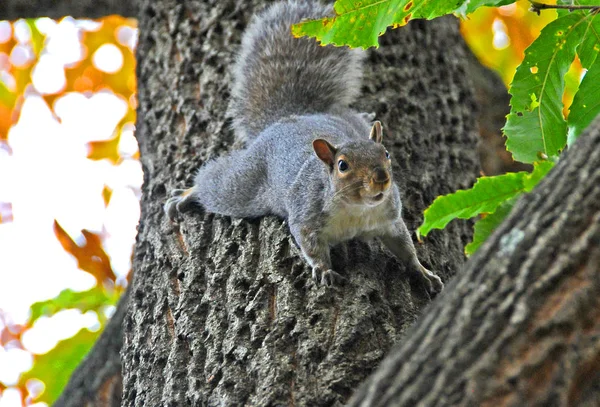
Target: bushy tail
277, 75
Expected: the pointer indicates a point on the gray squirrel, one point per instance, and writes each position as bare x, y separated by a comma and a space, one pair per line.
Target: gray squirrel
309, 158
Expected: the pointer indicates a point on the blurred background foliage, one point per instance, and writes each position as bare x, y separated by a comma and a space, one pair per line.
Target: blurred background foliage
23, 47
497, 36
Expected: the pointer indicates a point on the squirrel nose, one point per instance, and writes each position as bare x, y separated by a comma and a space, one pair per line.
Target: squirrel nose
380, 176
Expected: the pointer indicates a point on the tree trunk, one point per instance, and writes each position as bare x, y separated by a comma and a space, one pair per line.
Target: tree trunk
224, 311
520, 325
15, 9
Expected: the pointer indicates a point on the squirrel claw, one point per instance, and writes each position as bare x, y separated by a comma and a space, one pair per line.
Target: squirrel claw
327, 277
170, 207
434, 283
181, 200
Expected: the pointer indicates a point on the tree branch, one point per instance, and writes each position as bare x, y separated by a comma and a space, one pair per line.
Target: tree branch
15, 9
537, 7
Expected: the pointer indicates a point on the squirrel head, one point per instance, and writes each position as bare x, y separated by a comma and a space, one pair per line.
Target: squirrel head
360, 171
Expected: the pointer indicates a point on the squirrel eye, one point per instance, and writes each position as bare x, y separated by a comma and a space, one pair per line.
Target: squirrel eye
342, 165
387, 154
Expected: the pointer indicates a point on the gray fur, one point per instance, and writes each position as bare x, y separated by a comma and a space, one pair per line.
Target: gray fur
284, 102
277, 75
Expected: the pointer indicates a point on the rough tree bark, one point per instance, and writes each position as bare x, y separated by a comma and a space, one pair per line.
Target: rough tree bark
520, 325
15, 9
223, 311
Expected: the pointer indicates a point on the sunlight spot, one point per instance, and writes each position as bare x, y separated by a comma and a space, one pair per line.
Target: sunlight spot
45, 25
35, 388
21, 56
5, 31
88, 25
22, 31
127, 36
18, 360
108, 58
501, 39
128, 145
49, 75
11, 397
48, 331
63, 42
109, 311
8, 80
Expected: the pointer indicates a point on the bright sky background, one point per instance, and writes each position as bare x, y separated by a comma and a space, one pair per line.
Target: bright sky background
46, 177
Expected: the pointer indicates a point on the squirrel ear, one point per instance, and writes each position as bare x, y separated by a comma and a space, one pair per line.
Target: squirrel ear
325, 151
376, 132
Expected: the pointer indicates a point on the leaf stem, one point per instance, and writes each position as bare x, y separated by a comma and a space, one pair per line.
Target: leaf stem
537, 7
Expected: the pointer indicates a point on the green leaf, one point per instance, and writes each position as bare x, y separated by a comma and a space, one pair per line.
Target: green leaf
536, 123
486, 225
7, 98
55, 367
473, 5
586, 104
540, 169
91, 300
485, 196
360, 23
589, 47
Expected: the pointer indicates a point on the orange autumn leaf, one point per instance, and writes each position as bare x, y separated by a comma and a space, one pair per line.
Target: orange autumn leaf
91, 257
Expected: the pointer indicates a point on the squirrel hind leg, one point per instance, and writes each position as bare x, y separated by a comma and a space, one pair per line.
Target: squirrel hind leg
181, 200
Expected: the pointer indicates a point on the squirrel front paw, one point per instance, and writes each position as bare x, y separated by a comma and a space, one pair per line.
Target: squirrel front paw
327, 277
181, 200
433, 282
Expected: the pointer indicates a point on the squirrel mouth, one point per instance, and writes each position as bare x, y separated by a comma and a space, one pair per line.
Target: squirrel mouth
378, 197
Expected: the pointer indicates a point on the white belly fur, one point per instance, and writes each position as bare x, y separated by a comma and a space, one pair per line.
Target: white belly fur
351, 222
